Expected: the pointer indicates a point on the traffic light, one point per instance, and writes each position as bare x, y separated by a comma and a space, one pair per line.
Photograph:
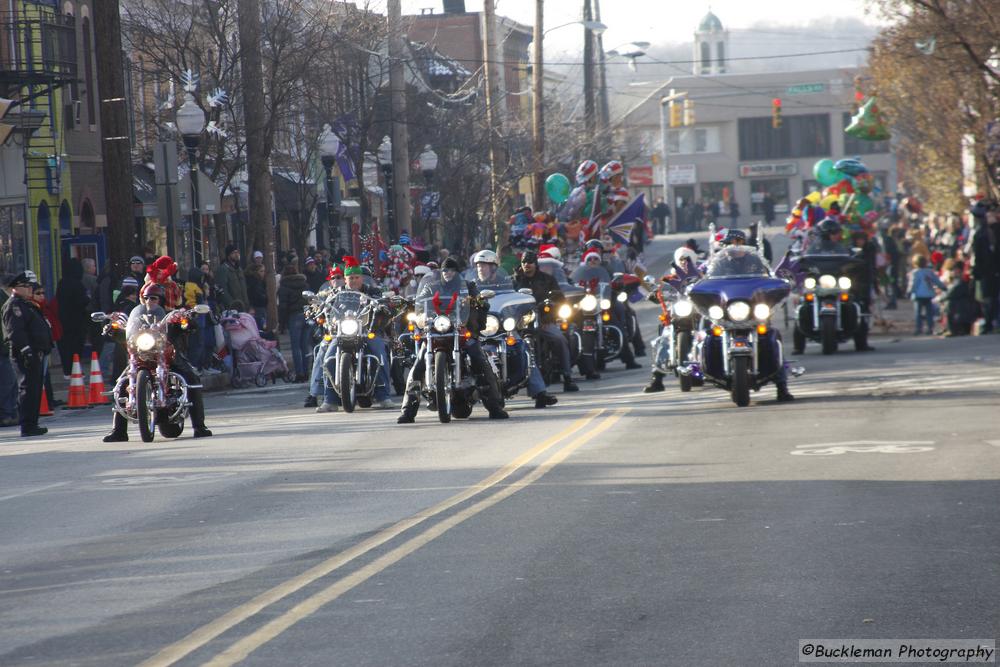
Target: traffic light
5, 128
675, 114
688, 112
776, 113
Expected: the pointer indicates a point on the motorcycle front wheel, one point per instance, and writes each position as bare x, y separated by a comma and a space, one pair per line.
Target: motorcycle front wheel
683, 350
144, 406
442, 386
346, 387
741, 381
828, 334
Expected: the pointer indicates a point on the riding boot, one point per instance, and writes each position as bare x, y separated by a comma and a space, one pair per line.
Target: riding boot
568, 384
655, 383
784, 395
119, 430
410, 404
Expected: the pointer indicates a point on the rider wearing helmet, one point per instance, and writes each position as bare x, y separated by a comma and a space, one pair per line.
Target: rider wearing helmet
613, 173
151, 302
734, 237
446, 281
587, 173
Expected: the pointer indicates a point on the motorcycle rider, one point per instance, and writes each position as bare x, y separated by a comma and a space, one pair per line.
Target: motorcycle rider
449, 279
151, 298
356, 282
334, 281
543, 286
488, 273
685, 263
593, 269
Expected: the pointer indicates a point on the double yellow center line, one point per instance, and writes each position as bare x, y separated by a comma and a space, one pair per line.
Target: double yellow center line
245, 646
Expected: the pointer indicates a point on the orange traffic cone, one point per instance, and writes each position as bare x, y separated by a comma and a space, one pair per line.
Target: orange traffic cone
97, 396
43, 409
77, 392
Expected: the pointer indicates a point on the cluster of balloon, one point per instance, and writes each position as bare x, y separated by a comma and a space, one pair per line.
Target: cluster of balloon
847, 187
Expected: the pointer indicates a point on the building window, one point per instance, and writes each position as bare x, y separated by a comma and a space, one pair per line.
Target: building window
88, 72
689, 141
855, 146
717, 196
776, 189
721, 56
706, 58
798, 137
13, 241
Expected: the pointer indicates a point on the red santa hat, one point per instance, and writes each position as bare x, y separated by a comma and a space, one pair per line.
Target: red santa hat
549, 251
335, 272
591, 253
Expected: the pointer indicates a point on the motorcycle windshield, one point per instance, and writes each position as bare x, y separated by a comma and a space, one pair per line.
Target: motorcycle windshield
586, 275
438, 296
737, 262
500, 281
347, 301
815, 245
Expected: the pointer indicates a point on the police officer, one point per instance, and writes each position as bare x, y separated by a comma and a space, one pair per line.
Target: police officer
30, 340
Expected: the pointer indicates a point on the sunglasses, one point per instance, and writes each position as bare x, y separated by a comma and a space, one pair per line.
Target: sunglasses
151, 298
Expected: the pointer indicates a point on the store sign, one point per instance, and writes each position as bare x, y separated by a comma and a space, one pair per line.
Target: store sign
805, 89
640, 176
768, 169
682, 174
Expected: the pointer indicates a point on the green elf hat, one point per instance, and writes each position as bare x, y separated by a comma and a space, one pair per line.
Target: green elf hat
351, 266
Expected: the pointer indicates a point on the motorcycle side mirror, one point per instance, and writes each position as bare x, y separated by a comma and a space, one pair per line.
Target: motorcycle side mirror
308, 294
202, 309
617, 276
649, 281
487, 293
99, 317
526, 291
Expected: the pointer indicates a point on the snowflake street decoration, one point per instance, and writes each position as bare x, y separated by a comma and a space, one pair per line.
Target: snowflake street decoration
216, 129
190, 80
218, 98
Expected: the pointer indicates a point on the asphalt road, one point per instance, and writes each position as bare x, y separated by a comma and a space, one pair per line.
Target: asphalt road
616, 528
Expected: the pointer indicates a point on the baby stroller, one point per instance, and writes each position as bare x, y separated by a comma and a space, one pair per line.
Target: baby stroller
255, 359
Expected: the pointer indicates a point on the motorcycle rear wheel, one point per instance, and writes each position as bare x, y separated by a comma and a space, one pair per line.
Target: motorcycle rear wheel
442, 386
144, 406
828, 334
168, 429
741, 381
346, 388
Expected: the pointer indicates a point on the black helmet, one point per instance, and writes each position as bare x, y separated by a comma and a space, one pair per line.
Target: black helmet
734, 236
828, 227
593, 244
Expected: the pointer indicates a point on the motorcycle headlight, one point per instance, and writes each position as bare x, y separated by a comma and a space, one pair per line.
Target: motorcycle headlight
739, 311
588, 303
145, 342
827, 281
810, 283
843, 282
441, 324
420, 320
683, 308
527, 318
411, 317
605, 304
349, 327
762, 311
565, 311
716, 312
509, 324
622, 296
492, 325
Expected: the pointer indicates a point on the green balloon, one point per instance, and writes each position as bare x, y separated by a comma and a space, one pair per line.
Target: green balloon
825, 173
558, 188
863, 203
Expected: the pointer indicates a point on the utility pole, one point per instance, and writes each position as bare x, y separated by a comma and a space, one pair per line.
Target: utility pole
116, 145
602, 83
589, 127
258, 145
492, 100
537, 109
400, 135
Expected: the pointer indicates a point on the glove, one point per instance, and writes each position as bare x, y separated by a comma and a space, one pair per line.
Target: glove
28, 356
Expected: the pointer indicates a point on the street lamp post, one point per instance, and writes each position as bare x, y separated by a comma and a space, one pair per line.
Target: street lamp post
385, 160
191, 123
428, 164
329, 147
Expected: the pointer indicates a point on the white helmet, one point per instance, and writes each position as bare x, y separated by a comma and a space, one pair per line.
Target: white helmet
683, 253
486, 256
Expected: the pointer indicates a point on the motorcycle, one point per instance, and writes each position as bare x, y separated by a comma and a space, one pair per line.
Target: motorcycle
354, 318
678, 323
737, 350
599, 338
512, 317
449, 383
148, 393
829, 313
403, 351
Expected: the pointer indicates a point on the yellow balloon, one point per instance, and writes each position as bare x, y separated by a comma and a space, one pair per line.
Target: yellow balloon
826, 201
814, 197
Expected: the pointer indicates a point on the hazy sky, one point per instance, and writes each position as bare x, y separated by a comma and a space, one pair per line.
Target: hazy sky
658, 21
